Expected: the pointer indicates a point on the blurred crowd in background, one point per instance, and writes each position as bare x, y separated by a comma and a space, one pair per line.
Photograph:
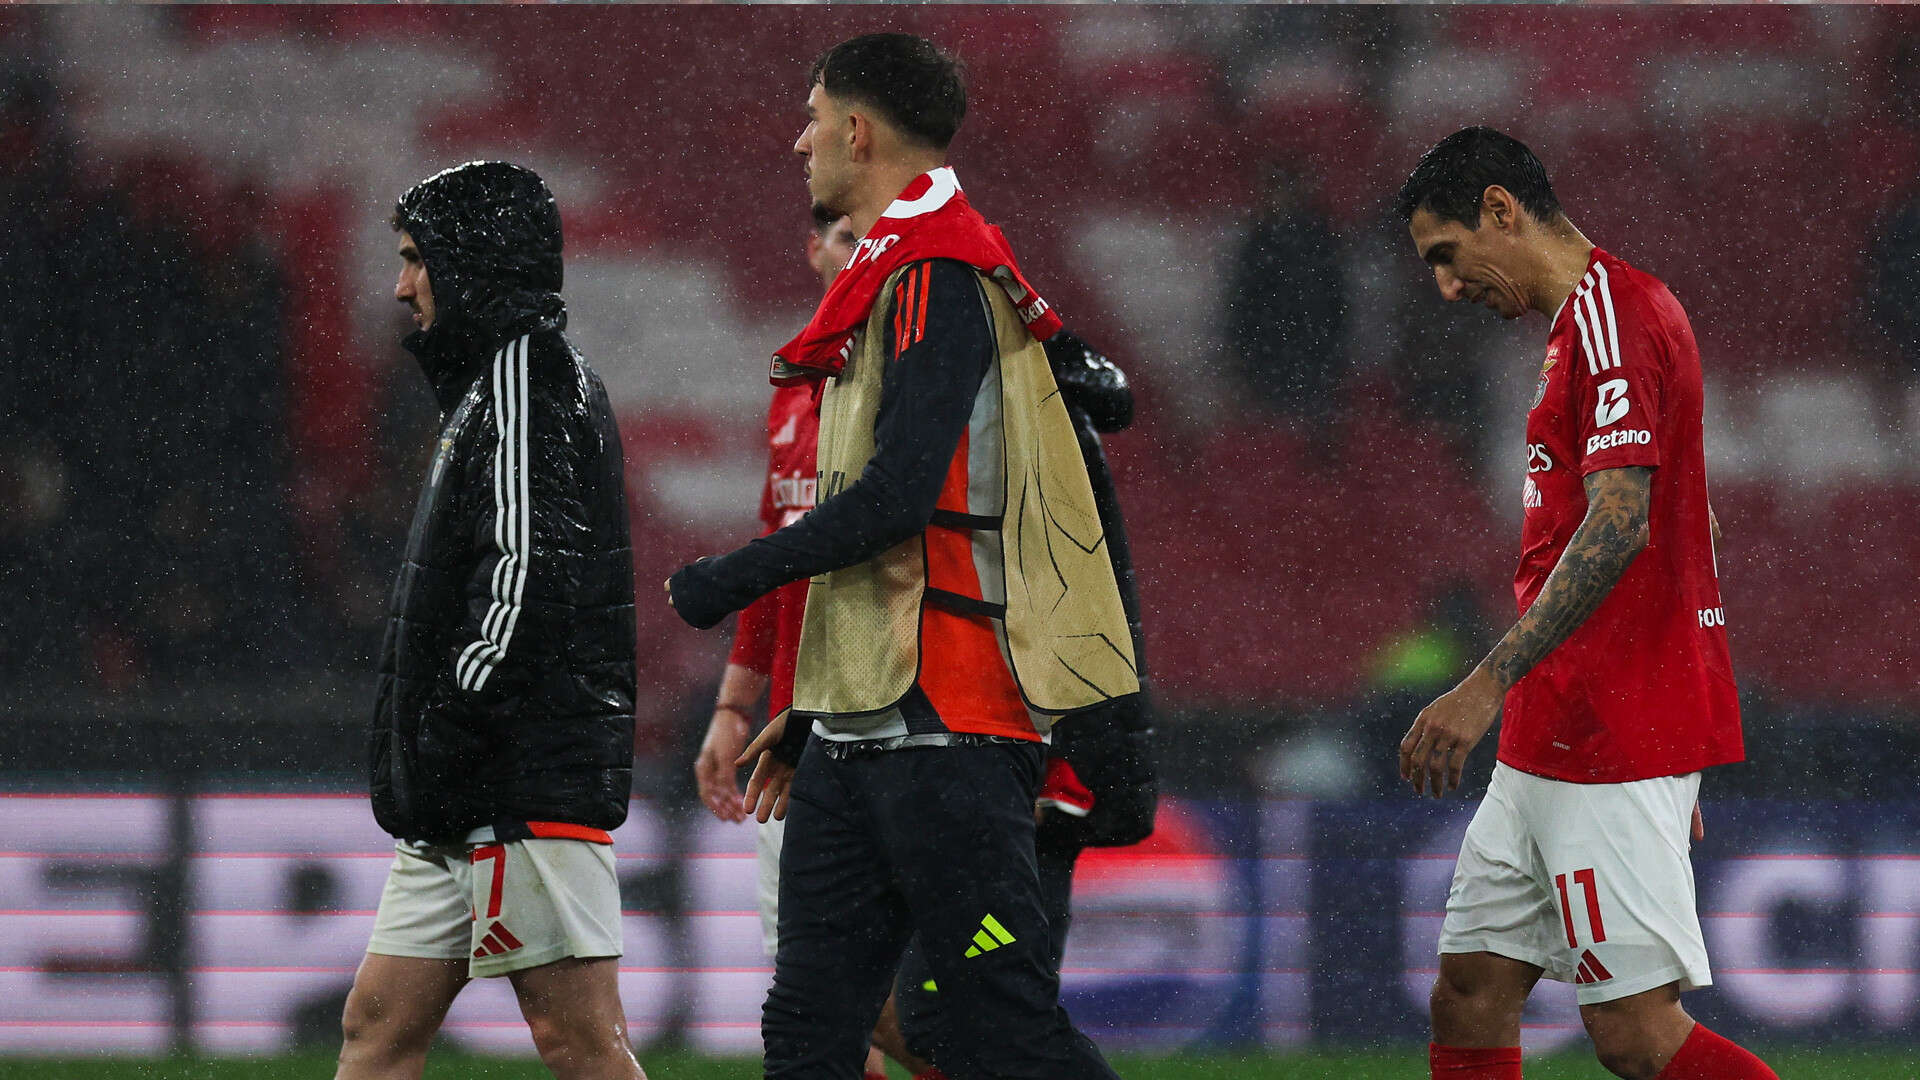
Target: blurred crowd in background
210, 439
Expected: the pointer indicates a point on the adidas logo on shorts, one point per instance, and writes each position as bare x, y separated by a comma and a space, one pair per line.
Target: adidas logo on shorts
498, 940
1591, 970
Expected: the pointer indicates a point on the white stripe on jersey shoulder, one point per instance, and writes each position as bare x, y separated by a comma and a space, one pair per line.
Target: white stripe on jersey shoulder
1605, 289
512, 520
1593, 314
1586, 336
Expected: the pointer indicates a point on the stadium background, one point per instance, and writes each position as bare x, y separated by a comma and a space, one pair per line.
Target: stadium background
209, 440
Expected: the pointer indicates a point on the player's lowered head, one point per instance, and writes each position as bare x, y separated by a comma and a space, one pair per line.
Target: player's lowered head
830, 244
480, 255
881, 110
1483, 215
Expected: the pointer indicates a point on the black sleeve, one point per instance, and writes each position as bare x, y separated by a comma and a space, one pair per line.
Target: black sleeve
938, 350
1094, 386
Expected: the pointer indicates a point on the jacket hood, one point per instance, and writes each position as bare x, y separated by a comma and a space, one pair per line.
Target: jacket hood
489, 233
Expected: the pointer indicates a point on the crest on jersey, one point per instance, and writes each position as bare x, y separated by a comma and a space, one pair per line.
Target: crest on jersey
1540, 388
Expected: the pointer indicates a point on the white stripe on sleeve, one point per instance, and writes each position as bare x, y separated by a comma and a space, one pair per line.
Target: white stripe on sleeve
1603, 351
1606, 299
1586, 339
512, 520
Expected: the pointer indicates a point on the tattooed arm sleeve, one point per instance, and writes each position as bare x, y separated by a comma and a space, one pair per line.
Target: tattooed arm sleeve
1613, 532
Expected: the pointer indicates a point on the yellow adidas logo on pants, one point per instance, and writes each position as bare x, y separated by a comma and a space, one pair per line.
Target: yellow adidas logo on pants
989, 937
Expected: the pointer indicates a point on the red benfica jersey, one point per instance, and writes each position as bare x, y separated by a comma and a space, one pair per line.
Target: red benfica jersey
768, 636
1644, 687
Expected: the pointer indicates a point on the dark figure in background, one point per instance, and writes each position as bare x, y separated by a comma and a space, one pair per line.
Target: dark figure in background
1100, 788
118, 575
1286, 307
502, 736
1893, 267
51, 569
1413, 666
1893, 298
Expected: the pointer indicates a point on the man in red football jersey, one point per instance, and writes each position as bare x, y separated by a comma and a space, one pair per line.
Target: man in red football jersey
1616, 681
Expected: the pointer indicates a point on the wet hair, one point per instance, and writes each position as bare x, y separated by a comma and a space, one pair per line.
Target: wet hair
1451, 178
919, 87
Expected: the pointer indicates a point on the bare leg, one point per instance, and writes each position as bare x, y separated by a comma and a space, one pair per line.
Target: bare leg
1636, 1036
395, 1006
888, 1039
573, 1008
1477, 999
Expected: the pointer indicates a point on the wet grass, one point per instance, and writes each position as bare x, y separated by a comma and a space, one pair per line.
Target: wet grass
1892, 1064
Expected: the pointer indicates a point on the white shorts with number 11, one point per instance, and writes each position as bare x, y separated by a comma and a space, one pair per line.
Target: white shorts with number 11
1593, 883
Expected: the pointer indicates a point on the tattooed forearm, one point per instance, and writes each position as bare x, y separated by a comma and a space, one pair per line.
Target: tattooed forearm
1613, 532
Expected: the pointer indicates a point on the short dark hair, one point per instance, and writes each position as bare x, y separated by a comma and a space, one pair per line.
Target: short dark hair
920, 87
1450, 179
824, 218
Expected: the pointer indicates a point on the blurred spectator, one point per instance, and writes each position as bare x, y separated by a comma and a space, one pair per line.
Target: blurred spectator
1903, 79
1414, 665
38, 639
1286, 305
353, 584
1438, 369
1893, 296
1425, 660
145, 470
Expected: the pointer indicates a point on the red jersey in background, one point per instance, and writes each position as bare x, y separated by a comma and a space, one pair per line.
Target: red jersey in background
1644, 687
768, 636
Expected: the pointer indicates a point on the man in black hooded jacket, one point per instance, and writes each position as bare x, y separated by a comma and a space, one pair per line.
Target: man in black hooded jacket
502, 736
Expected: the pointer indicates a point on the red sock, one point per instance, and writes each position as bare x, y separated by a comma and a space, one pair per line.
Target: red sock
1706, 1056
875, 1076
1473, 1063
933, 1073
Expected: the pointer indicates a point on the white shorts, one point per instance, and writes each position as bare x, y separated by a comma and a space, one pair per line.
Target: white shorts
767, 859
1592, 883
501, 907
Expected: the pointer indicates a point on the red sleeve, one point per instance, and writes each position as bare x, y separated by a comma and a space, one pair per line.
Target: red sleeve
1619, 377
753, 637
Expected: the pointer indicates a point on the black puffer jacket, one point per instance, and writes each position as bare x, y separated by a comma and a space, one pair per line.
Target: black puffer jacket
507, 676
1109, 747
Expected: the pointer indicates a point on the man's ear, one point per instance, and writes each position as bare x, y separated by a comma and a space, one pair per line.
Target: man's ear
1499, 208
861, 133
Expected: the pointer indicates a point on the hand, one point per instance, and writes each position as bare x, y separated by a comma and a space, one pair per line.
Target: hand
699, 601
1434, 751
1699, 825
772, 779
713, 768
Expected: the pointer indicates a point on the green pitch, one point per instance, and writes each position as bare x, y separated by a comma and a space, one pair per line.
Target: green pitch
1889, 1064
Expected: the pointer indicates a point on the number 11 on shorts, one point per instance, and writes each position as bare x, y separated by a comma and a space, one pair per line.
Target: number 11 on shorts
1584, 879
